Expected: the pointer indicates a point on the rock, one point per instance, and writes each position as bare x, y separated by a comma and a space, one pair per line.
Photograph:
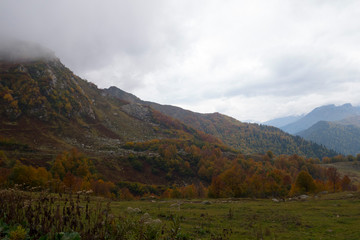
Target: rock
138, 111
275, 200
206, 202
324, 192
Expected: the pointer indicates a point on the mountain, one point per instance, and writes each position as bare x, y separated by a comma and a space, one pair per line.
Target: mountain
246, 137
45, 109
324, 113
344, 138
280, 122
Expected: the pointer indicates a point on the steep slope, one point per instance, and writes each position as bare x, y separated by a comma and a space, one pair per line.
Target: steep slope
343, 138
48, 93
248, 138
324, 113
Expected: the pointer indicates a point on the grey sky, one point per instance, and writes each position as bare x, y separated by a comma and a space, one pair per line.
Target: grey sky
255, 59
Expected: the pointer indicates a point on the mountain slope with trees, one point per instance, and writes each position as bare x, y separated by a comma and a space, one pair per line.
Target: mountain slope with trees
343, 138
60, 132
246, 137
46, 110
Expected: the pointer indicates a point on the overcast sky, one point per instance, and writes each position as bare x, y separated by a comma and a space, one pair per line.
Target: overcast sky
252, 60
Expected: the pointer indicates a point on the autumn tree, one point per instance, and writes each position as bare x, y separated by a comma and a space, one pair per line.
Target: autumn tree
101, 187
304, 183
29, 176
188, 192
229, 183
345, 183
125, 194
72, 182
73, 162
333, 177
22, 174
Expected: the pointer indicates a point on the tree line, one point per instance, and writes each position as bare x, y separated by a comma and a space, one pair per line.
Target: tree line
213, 174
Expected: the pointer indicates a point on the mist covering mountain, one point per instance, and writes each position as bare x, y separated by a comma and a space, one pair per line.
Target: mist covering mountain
13, 50
283, 121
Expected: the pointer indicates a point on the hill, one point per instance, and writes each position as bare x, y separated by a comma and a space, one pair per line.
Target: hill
343, 138
325, 113
246, 137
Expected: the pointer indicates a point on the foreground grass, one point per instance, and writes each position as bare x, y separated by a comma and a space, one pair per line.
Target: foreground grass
332, 216
329, 216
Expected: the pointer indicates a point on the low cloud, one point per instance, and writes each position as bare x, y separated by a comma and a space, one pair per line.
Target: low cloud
16, 50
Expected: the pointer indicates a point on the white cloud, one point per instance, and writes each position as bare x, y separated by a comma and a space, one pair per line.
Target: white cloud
256, 59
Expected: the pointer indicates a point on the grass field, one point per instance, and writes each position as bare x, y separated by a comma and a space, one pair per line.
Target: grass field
325, 216
330, 216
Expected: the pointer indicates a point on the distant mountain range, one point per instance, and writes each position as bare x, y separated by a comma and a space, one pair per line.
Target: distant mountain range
336, 127
281, 122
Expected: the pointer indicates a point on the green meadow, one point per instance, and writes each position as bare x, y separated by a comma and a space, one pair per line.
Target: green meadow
329, 216
33, 215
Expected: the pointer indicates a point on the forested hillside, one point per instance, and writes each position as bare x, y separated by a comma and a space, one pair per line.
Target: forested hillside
61, 132
246, 137
343, 138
